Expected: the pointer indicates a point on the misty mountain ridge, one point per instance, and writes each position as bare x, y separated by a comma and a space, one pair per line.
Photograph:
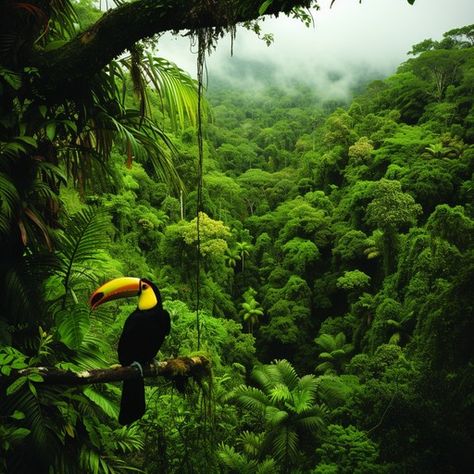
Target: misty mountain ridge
339, 82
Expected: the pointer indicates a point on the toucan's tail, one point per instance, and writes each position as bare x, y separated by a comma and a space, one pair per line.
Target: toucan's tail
132, 405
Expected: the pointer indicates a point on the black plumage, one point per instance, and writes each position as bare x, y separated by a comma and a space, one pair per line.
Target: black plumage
143, 334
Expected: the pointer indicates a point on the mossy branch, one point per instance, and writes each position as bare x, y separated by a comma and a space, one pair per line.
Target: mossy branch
181, 367
66, 68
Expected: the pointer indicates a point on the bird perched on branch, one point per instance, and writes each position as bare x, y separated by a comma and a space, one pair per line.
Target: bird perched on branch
143, 333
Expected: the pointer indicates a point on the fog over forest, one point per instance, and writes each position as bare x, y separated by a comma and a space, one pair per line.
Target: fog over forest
351, 43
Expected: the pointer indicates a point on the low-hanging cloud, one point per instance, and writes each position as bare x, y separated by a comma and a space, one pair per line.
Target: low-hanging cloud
349, 41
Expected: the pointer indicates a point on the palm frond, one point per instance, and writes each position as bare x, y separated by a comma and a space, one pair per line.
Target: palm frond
284, 372
280, 393
263, 378
326, 356
251, 442
303, 400
250, 398
72, 324
325, 368
21, 286
285, 445
340, 339
109, 407
9, 200
143, 139
37, 422
332, 390
268, 466
312, 424
127, 439
176, 88
275, 416
89, 460
84, 234
232, 459
327, 342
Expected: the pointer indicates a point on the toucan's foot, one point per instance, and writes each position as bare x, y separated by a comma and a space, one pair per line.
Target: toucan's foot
138, 366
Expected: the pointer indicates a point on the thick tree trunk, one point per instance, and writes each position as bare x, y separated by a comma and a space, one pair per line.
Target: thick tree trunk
181, 367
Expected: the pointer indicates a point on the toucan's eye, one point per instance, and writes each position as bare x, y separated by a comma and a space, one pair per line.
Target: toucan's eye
144, 286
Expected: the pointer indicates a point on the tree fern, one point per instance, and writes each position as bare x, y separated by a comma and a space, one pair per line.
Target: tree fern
289, 407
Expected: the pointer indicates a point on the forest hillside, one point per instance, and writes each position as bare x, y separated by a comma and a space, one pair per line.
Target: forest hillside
332, 269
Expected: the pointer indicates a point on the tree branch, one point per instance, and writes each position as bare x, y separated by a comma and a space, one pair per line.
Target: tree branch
196, 367
65, 68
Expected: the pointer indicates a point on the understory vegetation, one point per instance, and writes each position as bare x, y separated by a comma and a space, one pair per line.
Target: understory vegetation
336, 267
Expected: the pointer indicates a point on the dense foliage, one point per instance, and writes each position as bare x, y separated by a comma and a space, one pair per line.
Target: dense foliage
336, 266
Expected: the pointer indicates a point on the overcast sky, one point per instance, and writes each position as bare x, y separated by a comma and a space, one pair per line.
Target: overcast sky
374, 35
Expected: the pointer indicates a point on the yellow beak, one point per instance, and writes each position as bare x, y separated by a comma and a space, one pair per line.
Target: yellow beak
117, 288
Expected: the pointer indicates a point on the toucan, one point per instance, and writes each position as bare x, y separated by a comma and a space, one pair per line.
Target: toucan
143, 333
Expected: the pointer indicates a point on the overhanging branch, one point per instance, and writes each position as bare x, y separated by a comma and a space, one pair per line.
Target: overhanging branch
196, 367
64, 69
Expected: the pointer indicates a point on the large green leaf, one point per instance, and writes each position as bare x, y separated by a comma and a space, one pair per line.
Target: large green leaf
177, 89
100, 399
84, 236
73, 323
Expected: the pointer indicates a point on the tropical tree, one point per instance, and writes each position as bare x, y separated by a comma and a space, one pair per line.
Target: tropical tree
335, 352
390, 210
231, 257
354, 282
251, 309
244, 249
289, 406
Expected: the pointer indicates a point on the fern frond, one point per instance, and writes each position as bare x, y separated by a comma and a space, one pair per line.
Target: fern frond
84, 234
109, 407
284, 372
231, 458
285, 444
250, 398
332, 390
275, 417
90, 353
268, 466
280, 393
312, 424
72, 324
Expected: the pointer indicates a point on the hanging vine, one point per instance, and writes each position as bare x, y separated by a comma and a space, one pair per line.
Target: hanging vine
200, 73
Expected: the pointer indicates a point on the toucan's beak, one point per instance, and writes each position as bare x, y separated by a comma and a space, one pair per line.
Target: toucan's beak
117, 288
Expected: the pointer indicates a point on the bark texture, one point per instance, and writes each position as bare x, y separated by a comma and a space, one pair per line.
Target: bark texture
67, 67
179, 368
